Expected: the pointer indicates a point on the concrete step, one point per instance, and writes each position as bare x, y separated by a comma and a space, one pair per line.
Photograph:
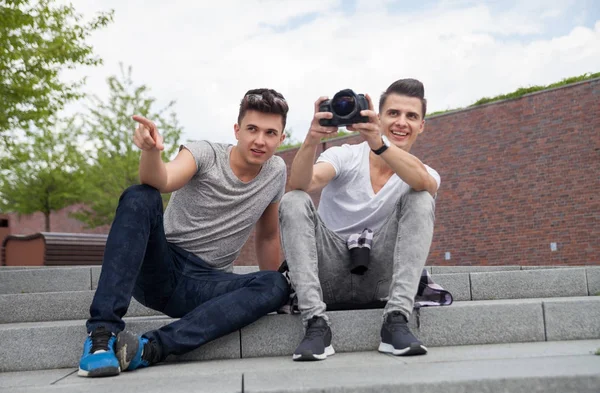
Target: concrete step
37, 279
56, 306
43, 345
549, 367
489, 285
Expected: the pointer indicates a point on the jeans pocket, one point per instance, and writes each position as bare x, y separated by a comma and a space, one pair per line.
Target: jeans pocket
382, 290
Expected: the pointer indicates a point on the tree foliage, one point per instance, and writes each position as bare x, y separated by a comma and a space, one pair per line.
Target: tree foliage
114, 158
38, 40
42, 172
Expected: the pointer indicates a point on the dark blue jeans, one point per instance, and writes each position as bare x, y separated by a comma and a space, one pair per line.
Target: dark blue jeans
139, 262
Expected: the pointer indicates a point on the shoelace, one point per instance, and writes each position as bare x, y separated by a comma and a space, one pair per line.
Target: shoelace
315, 331
100, 340
397, 322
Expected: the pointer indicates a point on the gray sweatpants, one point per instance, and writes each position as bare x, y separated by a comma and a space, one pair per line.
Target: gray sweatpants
319, 259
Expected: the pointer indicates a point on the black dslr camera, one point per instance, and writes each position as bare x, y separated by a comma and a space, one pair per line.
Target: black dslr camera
345, 106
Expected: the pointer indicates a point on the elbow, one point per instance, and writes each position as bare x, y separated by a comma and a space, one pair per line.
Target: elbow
293, 186
426, 184
162, 188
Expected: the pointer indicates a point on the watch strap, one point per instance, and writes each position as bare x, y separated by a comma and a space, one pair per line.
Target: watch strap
380, 150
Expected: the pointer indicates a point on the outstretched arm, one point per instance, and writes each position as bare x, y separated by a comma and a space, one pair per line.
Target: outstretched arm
408, 167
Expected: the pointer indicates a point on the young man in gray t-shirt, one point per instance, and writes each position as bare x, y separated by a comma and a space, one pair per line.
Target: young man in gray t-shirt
180, 262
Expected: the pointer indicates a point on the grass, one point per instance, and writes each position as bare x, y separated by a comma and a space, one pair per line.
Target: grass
526, 90
597, 352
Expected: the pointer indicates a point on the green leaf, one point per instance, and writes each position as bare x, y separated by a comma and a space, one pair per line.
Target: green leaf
42, 172
38, 40
114, 161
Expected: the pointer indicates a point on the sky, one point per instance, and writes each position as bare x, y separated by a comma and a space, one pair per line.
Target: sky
206, 54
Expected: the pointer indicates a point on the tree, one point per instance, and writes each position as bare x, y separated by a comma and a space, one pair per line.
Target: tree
42, 173
289, 141
115, 159
38, 40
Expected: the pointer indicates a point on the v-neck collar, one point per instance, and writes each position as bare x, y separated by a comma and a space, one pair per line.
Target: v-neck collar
367, 162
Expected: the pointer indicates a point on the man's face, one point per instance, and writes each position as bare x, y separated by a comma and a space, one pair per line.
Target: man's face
402, 120
258, 136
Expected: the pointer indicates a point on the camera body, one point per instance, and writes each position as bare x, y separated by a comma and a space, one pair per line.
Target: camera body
345, 106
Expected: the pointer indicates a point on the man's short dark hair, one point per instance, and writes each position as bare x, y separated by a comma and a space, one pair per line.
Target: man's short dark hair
265, 101
405, 87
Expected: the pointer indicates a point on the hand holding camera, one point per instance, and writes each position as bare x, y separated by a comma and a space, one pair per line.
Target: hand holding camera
345, 106
356, 112
318, 131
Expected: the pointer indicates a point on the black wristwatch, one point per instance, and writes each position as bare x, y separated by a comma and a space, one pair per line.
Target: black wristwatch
386, 144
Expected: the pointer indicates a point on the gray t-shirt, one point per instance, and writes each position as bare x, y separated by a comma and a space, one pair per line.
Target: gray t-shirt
213, 215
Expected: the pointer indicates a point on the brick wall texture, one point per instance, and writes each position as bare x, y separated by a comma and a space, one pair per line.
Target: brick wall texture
517, 175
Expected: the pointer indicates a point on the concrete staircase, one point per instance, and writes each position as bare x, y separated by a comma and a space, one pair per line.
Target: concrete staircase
43, 312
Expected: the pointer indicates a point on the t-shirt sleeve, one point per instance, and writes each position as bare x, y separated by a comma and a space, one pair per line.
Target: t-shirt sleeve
203, 153
337, 156
435, 175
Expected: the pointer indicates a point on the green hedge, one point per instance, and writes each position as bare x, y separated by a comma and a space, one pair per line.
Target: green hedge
525, 90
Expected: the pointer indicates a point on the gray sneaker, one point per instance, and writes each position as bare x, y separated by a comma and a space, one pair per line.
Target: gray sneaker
397, 339
316, 344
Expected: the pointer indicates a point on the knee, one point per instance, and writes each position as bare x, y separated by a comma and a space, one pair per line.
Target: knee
419, 203
275, 284
140, 195
294, 201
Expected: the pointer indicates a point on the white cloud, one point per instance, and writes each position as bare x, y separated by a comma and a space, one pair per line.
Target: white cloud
207, 54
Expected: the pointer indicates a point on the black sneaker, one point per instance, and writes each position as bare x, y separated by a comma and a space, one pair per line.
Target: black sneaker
397, 339
316, 344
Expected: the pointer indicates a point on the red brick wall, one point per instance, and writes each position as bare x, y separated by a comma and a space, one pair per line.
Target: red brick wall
516, 176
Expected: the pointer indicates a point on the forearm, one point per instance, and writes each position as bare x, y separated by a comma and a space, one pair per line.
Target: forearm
152, 170
302, 167
410, 169
268, 253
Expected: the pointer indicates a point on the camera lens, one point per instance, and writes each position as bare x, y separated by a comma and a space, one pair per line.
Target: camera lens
343, 105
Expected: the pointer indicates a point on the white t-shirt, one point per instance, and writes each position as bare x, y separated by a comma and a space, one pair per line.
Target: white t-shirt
348, 204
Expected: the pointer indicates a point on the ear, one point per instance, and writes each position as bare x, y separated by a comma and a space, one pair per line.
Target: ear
236, 130
422, 126
282, 137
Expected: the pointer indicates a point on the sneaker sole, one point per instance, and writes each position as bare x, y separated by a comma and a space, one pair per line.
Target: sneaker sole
100, 372
414, 349
126, 348
309, 356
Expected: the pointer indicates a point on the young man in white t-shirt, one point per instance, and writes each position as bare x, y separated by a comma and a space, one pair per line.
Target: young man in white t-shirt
374, 193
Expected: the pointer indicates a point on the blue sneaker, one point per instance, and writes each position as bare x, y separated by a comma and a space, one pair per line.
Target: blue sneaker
135, 351
98, 359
